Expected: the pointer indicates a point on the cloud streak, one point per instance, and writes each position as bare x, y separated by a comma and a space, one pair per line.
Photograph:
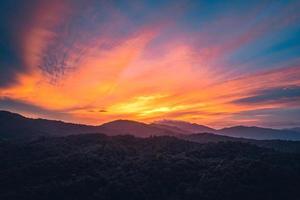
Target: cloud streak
289, 93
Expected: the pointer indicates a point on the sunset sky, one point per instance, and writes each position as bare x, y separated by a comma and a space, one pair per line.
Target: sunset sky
218, 63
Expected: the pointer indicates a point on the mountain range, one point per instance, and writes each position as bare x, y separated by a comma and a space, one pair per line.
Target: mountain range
13, 125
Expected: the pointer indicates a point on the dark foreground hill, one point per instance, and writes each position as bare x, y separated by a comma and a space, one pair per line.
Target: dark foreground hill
96, 166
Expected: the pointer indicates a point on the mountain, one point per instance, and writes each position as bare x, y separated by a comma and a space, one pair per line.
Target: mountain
278, 145
128, 127
259, 133
173, 129
186, 126
95, 166
15, 126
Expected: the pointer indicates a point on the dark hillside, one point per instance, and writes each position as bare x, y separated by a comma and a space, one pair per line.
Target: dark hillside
124, 167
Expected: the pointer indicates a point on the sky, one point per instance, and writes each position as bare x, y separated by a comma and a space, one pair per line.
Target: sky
218, 63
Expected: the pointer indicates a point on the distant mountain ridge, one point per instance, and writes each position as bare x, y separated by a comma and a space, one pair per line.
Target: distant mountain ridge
246, 132
128, 127
170, 128
279, 145
186, 126
13, 125
254, 132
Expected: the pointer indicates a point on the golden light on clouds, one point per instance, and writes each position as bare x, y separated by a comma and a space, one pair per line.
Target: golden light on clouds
87, 66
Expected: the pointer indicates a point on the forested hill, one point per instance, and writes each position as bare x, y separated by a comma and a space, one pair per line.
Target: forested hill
95, 166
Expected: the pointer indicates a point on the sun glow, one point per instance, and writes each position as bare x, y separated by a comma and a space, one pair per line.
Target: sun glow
83, 69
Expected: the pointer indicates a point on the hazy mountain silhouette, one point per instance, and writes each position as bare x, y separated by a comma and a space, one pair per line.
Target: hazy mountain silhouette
128, 127
16, 126
279, 145
186, 126
259, 133
236, 131
13, 125
173, 129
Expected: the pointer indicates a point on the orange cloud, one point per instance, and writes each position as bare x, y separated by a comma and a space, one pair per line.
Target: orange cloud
141, 75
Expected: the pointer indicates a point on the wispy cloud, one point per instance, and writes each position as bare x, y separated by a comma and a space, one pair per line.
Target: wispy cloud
100, 60
287, 93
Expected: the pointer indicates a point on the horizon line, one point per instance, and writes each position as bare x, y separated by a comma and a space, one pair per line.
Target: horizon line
153, 122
